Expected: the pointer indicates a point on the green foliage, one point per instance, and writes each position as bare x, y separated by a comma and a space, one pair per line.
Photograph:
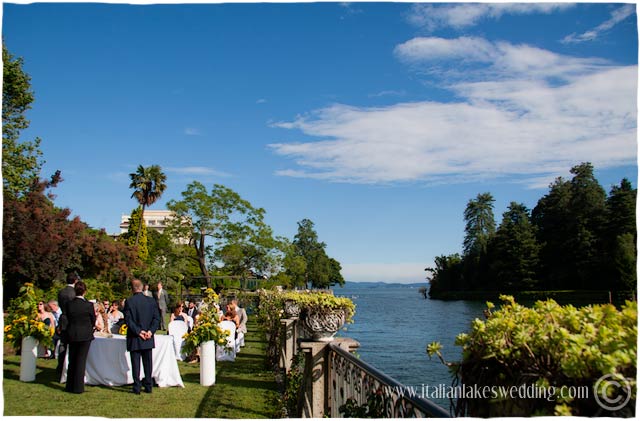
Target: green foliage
321, 302
514, 252
293, 386
21, 161
148, 184
136, 235
546, 345
222, 216
23, 320
321, 271
376, 406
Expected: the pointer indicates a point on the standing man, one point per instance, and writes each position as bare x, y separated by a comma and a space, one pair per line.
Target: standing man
145, 290
143, 319
242, 315
65, 295
82, 319
162, 297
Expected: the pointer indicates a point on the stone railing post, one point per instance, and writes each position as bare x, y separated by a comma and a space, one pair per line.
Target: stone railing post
314, 390
287, 344
316, 393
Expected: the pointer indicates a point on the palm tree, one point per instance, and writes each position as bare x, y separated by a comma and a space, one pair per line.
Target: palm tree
148, 184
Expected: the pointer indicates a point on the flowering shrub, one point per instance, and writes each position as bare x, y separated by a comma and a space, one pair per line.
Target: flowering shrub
206, 326
549, 347
23, 320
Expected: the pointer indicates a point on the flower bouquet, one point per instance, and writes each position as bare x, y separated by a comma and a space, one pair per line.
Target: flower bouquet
206, 327
23, 320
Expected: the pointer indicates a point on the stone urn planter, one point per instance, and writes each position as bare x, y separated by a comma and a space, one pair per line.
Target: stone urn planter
323, 324
28, 357
291, 308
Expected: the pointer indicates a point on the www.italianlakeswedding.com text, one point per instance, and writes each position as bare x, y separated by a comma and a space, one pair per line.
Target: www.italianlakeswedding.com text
525, 391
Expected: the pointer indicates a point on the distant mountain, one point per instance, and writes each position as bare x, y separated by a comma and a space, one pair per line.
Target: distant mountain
355, 285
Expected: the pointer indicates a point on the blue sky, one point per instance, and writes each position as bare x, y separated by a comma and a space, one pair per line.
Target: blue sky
377, 121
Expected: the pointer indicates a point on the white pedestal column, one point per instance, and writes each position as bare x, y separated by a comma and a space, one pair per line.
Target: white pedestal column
208, 363
28, 359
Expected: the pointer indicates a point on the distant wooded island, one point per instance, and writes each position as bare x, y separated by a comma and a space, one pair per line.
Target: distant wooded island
577, 238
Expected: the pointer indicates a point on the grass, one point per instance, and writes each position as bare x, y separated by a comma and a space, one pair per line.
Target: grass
245, 388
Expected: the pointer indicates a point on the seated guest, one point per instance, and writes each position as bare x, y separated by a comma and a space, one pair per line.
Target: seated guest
192, 311
231, 315
114, 314
178, 313
45, 315
101, 325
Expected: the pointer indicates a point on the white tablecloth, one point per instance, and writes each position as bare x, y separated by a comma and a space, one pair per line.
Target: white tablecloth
108, 363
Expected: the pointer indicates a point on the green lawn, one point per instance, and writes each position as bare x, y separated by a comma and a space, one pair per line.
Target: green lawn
244, 389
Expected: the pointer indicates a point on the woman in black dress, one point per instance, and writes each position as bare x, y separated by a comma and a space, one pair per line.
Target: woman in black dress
82, 319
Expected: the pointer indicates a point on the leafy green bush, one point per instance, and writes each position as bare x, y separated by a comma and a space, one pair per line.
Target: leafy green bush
556, 349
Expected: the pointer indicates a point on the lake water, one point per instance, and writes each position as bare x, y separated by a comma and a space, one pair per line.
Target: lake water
394, 324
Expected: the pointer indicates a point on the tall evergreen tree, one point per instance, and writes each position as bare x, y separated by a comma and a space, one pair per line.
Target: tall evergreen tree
621, 236
551, 216
136, 235
514, 251
480, 227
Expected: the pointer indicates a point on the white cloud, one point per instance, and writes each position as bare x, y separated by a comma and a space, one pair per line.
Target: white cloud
384, 272
261, 101
527, 114
192, 131
617, 16
197, 171
432, 17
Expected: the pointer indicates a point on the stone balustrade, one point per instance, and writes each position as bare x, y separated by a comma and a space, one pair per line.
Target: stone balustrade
333, 375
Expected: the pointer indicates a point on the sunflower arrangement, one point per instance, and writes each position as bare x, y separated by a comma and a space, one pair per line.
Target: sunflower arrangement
23, 320
206, 326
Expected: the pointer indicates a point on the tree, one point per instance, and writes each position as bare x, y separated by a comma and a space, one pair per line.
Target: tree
480, 227
148, 184
250, 248
514, 251
218, 215
21, 161
446, 275
136, 235
571, 222
621, 236
551, 217
321, 271
40, 243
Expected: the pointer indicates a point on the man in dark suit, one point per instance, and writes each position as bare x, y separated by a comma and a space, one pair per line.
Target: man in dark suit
65, 295
142, 317
79, 334
192, 311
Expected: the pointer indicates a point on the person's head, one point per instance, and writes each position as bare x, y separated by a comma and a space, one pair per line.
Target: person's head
136, 285
80, 288
41, 306
105, 303
177, 309
145, 287
234, 302
72, 278
192, 304
159, 285
114, 306
53, 304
